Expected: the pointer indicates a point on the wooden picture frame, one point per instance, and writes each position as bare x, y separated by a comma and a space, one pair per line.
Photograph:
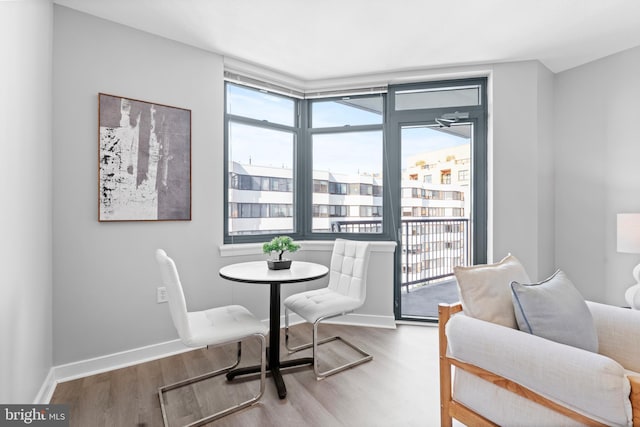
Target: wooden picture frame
144, 160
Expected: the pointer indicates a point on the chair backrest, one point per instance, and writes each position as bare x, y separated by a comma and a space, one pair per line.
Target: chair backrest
175, 295
349, 265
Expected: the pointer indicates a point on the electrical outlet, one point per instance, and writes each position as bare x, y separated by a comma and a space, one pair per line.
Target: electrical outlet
161, 294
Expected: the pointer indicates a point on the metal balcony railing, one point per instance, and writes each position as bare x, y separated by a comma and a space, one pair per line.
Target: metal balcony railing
431, 247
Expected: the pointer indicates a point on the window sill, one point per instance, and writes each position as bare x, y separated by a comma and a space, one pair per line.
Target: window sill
240, 249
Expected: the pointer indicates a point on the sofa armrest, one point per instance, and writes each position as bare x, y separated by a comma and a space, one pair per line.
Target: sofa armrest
588, 383
618, 333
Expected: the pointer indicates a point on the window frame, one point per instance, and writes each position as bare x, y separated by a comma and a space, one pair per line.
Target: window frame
303, 182
302, 177
385, 235
242, 120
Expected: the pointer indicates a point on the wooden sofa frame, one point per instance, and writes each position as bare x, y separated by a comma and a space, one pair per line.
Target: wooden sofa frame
450, 409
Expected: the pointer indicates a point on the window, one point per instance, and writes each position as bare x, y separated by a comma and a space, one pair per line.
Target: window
281, 184
312, 168
445, 177
346, 140
320, 186
337, 210
438, 97
261, 138
280, 210
260, 183
347, 111
370, 211
259, 210
353, 162
246, 102
320, 211
337, 188
366, 189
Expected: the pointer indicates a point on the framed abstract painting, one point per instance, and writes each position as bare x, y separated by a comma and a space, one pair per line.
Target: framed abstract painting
144, 161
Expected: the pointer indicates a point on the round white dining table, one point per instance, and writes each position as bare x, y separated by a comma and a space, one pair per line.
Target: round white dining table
258, 273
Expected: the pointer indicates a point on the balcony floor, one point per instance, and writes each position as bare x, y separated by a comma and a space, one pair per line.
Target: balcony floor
423, 302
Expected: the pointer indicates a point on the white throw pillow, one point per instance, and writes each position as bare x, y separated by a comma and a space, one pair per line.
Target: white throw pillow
485, 293
554, 309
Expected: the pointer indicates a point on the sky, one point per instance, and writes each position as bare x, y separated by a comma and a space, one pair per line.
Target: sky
331, 152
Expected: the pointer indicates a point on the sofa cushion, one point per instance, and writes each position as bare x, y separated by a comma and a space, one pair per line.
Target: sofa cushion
480, 395
554, 309
484, 290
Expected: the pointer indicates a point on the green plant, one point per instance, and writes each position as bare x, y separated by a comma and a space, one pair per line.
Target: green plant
280, 244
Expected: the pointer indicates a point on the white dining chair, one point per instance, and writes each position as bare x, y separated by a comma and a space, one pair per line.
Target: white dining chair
345, 293
213, 327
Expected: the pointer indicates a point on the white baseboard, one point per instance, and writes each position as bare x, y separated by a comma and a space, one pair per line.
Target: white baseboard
46, 391
368, 320
109, 362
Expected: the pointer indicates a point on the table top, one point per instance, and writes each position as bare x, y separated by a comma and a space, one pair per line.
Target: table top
258, 272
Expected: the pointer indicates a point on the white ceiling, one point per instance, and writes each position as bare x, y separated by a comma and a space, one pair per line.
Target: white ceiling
320, 39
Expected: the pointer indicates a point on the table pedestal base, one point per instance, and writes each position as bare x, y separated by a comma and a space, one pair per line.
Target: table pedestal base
257, 272
274, 371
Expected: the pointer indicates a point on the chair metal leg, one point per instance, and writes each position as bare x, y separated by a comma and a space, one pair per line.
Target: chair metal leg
320, 375
286, 335
291, 350
219, 414
286, 329
315, 343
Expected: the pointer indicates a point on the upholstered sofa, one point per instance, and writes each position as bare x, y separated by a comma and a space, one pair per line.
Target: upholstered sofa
492, 374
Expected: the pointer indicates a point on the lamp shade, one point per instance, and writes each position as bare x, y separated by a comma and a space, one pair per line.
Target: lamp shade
628, 233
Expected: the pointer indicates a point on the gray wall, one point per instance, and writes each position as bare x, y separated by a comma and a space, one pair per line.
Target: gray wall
597, 174
25, 192
104, 274
546, 174
521, 186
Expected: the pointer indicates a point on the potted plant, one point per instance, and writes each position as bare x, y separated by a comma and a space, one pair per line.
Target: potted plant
280, 245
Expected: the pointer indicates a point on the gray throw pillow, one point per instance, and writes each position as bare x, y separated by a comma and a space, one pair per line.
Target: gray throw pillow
555, 309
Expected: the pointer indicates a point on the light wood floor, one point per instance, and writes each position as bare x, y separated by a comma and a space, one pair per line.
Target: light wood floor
398, 388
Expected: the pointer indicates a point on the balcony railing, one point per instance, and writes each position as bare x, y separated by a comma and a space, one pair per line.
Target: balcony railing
431, 247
